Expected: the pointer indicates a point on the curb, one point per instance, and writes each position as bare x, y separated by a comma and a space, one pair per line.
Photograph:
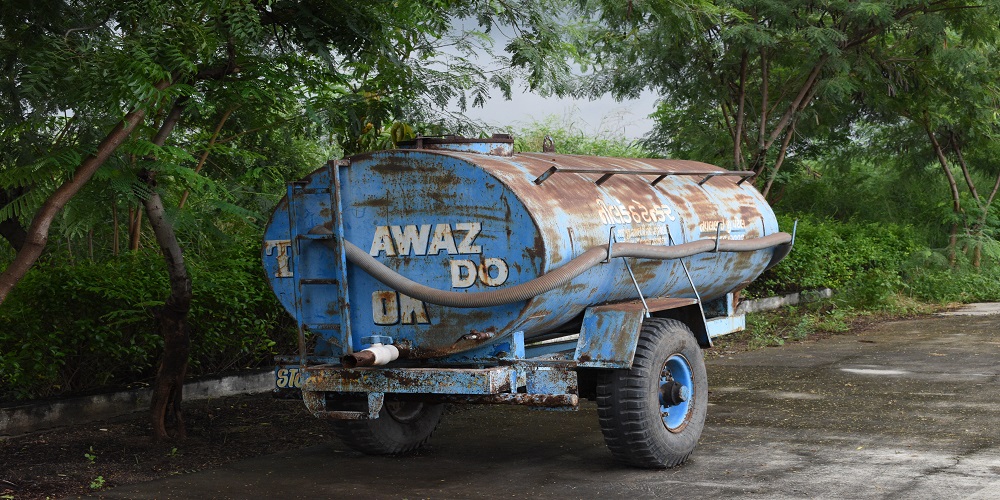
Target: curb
25, 419
771, 303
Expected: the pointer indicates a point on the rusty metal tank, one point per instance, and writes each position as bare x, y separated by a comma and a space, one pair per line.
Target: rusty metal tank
471, 217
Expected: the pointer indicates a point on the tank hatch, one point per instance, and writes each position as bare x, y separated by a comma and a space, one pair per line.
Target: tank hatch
497, 145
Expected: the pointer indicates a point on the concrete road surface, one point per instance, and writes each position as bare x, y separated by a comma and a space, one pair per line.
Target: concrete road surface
909, 409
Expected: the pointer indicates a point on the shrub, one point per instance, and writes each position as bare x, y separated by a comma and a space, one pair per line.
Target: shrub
865, 258
73, 328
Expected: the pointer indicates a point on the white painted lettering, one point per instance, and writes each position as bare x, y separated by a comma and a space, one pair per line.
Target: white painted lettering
412, 310
382, 242
602, 211
463, 273
385, 307
501, 269
466, 246
281, 250
442, 240
409, 237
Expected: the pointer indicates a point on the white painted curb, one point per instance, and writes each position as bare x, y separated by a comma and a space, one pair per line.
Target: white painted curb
24, 419
770, 303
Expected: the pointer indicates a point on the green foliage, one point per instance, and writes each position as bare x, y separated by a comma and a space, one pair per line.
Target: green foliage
774, 328
98, 325
874, 266
929, 278
97, 483
569, 139
839, 255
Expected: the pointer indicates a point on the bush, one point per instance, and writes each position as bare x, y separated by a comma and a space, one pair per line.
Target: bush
73, 328
570, 140
864, 258
871, 265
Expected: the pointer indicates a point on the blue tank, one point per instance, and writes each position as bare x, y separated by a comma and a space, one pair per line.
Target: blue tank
468, 217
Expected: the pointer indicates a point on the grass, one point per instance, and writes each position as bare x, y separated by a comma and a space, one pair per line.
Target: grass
813, 321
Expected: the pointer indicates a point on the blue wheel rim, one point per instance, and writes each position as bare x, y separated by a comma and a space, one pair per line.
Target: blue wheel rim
678, 370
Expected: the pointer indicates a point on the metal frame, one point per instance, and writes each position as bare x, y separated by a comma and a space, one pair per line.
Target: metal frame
661, 174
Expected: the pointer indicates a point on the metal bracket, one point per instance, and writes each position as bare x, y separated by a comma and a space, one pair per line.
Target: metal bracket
718, 234
701, 308
612, 239
645, 306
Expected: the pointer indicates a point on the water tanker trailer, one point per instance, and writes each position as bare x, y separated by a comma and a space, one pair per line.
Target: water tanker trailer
452, 270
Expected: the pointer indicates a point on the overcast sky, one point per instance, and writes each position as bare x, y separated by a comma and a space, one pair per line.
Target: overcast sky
606, 115
602, 116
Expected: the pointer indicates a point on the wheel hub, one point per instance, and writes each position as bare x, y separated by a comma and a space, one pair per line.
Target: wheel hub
676, 388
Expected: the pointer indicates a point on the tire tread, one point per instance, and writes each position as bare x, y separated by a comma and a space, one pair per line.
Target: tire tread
621, 401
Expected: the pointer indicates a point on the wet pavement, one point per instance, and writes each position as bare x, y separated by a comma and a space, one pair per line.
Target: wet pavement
907, 409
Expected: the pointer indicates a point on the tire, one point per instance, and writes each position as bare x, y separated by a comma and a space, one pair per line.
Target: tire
642, 426
401, 427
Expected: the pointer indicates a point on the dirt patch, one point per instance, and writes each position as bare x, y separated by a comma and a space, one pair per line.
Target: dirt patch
85, 459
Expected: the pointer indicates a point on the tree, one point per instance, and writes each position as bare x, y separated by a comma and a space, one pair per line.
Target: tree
740, 81
92, 79
943, 95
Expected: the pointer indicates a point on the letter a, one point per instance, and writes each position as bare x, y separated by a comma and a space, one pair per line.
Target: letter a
382, 242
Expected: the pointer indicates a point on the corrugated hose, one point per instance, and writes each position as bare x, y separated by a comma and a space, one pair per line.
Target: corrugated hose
557, 277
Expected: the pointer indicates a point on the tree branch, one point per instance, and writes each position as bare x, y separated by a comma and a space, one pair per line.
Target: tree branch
38, 231
955, 197
781, 158
208, 149
965, 167
740, 112
796, 103
993, 194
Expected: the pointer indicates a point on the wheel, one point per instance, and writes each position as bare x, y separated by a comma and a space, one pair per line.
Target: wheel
652, 415
401, 427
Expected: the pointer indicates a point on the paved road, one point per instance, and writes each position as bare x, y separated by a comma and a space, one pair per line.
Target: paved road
906, 410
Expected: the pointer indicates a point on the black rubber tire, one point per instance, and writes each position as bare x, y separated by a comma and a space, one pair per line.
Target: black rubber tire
628, 401
401, 427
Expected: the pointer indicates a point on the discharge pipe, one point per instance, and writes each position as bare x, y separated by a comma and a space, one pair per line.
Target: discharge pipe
550, 280
376, 355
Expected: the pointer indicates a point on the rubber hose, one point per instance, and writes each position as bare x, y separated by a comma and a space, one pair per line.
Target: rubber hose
548, 281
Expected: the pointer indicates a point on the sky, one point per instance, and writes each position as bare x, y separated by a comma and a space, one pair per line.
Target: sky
596, 117
606, 115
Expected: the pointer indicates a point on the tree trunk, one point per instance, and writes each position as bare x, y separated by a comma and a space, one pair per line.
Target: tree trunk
135, 230
38, 231
956, 199
169, 385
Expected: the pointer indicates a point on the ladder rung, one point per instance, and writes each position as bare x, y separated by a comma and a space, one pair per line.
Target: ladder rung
322, 326
312, 190
318, 281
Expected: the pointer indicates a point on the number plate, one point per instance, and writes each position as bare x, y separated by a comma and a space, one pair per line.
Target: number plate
287, 377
